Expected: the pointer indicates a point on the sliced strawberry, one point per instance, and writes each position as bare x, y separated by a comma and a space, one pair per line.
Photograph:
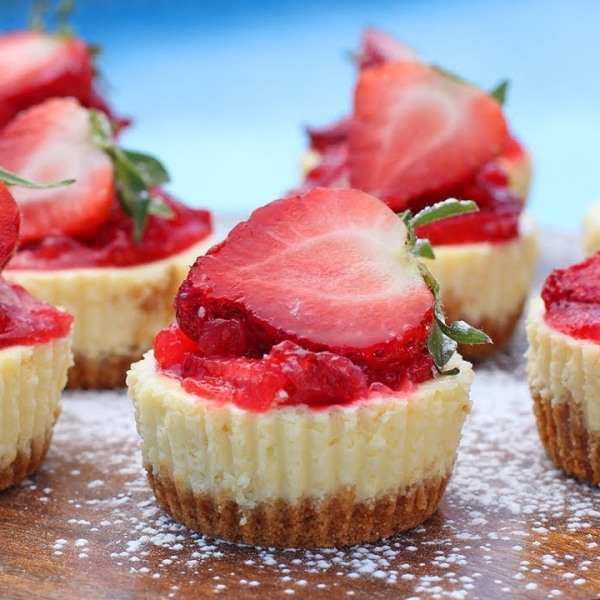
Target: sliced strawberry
378, 47
416, 130
35, 65
50, 142
329, 271
9, 225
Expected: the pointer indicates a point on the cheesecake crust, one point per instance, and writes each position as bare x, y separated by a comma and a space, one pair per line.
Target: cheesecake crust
26, 462
107, 372
334, 521
566, 438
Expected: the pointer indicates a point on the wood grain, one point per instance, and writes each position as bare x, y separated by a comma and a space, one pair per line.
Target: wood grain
510, 525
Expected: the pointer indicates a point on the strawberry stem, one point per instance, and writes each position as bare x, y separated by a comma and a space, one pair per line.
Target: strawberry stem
443, 338
135, 175
10, 178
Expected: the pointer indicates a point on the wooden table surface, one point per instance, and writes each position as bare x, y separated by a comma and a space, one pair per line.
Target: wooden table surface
510, 524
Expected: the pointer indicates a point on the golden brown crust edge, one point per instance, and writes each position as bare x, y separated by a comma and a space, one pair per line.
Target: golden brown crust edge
103, 373
334, 522
26, 462
565, 437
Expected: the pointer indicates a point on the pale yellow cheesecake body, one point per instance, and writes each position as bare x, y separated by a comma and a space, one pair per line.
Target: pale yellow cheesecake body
31, 381
590, 230
562, 372
117, 310
486, 284
296, 475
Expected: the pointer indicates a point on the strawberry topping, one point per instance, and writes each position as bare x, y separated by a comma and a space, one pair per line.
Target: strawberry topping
35, 66
9, 225
378, 47
327, 271
113, 244
51, 142
288, 374
418, 136
572, 299
23, 319
415, 130
27, 321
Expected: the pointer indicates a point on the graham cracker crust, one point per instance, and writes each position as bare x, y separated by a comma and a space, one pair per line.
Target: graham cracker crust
102, 373
565, 437
333, 522
26, 462
501, 332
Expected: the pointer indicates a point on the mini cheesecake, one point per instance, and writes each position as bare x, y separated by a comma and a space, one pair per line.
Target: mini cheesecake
292, 404
299, 476
563, 331
35, 353
99, 235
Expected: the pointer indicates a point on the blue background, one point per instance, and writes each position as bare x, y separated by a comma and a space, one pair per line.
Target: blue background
221, 92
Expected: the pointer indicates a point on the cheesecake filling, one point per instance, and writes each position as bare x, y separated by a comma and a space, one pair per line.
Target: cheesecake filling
31, 380
371, 447
561, 368
487, 280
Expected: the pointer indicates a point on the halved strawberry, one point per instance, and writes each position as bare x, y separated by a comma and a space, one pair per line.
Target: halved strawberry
416, 130
378, 47
9, 225
328, 270
35, 65
50, 142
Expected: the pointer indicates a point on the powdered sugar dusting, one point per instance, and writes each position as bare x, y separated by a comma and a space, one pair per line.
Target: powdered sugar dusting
505, 499
510, 525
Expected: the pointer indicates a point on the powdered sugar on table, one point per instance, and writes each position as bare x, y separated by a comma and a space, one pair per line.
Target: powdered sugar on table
510, 524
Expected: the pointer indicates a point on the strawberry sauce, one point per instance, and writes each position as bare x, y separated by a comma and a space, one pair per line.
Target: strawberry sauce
113, 245
497, 219
287, 375
27, 321
572, 300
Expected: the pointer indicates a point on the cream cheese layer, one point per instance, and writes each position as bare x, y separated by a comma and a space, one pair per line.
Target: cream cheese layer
31, 381
487, 280
369, 448
561, 368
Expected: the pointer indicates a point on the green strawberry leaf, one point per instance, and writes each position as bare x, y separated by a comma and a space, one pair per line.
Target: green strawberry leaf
441, 347
499, 92
149, 167
442, 210
10, 178
135, 175
443, 338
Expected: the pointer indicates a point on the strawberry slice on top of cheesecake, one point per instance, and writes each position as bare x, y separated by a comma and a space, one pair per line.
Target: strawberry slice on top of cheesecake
111, 248
418, 135
309, 393
36, 65
35, 353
